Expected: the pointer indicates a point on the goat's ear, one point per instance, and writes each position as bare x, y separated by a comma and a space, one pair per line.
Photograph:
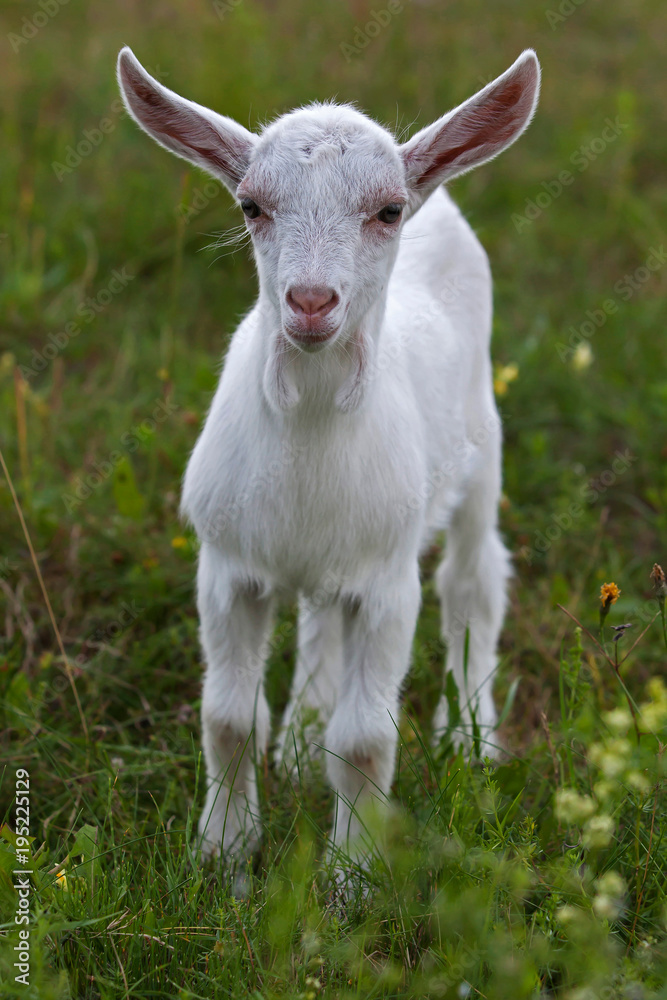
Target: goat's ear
476, 131
217, 144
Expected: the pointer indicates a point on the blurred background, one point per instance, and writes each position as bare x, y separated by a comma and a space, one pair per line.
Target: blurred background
115, 313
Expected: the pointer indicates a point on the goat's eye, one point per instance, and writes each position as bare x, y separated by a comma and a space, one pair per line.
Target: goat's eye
390, 213
250, 208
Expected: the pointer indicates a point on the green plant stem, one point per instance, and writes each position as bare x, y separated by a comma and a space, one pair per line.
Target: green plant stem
614, 664
661, 606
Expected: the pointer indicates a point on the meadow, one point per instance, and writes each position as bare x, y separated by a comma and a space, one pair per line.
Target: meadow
540, 875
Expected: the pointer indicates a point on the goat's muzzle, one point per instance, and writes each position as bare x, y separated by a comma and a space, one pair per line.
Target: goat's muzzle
308, 318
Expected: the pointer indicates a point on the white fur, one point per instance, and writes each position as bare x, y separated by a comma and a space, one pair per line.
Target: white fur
325, 472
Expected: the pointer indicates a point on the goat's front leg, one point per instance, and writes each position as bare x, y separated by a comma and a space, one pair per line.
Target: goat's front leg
361, 737
235, 619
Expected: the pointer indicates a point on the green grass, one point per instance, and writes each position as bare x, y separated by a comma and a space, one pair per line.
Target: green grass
480, 880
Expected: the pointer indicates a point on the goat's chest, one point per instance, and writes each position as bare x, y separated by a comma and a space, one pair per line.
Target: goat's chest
297, 505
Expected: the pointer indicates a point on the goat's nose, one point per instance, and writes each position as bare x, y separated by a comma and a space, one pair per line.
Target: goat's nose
314, 302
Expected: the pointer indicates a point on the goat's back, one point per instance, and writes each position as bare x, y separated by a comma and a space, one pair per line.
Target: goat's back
439, 319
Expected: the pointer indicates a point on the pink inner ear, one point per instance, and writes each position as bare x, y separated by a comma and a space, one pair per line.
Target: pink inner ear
184, 126
478, 128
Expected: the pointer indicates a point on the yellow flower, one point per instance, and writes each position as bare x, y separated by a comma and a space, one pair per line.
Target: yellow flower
609, 594
7, 362
45, 660
61, 880
180, 542
504, 375
162, 374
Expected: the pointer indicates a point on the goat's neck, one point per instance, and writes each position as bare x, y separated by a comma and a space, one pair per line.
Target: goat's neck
335, 378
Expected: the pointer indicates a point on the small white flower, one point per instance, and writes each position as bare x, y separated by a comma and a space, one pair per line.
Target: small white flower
606, 907
582, 357
572, 807
611, 757
567, 914
654, 712
611, 765
638, 781
619, 721
610, 894
598, 831
604, 790
652, 717
612, 883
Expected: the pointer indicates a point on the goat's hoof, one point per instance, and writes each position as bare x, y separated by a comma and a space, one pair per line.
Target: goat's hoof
349, 889
234, 868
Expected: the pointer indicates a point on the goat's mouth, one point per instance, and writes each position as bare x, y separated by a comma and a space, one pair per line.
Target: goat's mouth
311, 340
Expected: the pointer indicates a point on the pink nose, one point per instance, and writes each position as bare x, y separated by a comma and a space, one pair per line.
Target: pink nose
312, 302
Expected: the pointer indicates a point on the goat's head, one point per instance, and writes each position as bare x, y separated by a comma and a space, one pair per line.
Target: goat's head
325, 190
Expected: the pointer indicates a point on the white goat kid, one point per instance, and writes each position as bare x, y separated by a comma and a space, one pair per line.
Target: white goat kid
354, 419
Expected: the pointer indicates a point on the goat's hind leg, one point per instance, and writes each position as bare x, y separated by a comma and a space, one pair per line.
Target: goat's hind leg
362, 735
472, 584
315, 687
235, 619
